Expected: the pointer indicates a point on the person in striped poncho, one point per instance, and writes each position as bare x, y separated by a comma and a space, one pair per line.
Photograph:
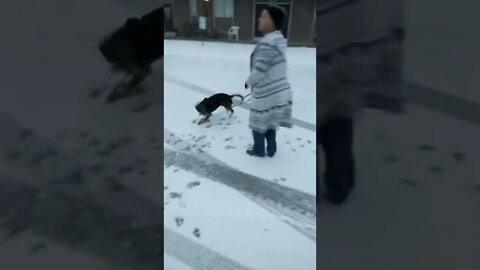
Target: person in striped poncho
271, 102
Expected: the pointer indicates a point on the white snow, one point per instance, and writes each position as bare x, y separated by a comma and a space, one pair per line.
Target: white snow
295, 159
17, 254
234, 226
224, 67
170, 262
402, 215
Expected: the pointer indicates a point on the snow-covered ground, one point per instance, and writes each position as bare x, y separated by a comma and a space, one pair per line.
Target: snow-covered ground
229, 211
53, 127
416, 200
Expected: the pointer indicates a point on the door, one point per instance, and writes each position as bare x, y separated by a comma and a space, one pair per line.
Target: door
258, 10
168, 19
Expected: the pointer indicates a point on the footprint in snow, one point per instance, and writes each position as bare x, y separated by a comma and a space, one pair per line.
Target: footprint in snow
75, 179
114, 184
459, 157
193, 184
409, 182
83, 134
179, 221
97, 169
436, 169
139, 162
391, 159
38, 158
121, 142
175, 195
103, 153
426, 148
380, 137
229, 147
125, 169
95, 93
141, 108
476, 187
196, 232
79, 151
61, 136
25, 133
12, 155
94, 143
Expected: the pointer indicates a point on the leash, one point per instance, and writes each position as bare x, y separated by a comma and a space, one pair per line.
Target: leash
243, 101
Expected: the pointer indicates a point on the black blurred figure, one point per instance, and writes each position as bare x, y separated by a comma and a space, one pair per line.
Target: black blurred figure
133, 48
357, 66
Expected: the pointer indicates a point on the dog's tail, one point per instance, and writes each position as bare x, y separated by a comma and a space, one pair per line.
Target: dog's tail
239, 96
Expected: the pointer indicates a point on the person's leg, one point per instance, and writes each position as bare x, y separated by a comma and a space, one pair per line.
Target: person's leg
271, 142
258, 144
336, 137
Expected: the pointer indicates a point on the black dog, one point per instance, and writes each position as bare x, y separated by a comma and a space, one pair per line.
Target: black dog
133, 48
208, 105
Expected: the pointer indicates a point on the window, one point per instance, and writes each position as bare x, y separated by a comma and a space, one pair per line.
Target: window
223, 8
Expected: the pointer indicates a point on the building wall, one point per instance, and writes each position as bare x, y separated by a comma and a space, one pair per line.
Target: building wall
301, 20
181, 13
301, 23
243, 17
223, 24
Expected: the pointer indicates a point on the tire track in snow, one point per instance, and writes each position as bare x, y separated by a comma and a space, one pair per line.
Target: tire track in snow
196, 255
295, 208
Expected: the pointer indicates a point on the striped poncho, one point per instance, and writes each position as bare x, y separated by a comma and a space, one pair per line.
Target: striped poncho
271, 102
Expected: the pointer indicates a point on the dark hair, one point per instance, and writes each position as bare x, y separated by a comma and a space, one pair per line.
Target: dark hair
278, 15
